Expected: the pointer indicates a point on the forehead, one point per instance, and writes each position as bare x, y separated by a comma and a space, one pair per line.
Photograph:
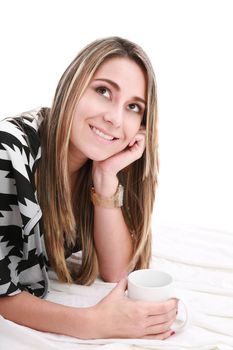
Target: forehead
126, 73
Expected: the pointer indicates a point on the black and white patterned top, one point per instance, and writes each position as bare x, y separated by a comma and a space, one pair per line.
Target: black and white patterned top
23, 258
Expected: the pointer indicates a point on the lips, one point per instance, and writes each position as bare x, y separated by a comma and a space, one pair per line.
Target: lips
102, 134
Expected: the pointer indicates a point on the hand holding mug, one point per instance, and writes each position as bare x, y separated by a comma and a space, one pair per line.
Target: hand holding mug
154, 285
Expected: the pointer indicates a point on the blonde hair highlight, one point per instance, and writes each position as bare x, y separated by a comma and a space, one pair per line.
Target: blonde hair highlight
63, 218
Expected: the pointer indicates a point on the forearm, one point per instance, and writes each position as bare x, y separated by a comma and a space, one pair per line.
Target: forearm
115, 316
113, 243
30, 311
112, 238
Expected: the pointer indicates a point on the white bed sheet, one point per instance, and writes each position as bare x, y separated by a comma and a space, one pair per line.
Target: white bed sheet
201, 262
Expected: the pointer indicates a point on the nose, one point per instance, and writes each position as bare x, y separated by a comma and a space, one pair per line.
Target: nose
114, 116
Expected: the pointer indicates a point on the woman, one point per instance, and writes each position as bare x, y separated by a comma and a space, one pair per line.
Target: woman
82, 176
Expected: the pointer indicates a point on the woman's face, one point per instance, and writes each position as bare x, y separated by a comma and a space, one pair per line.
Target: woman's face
110, 111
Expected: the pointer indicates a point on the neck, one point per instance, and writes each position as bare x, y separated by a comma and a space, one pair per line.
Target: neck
76, 158
75, 162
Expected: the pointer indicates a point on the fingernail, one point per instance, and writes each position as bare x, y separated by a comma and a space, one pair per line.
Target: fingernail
173, 332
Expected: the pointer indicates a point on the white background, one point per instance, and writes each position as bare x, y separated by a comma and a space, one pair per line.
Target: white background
190, 45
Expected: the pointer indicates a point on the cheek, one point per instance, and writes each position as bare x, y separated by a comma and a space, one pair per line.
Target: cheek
81, 109
131, 131
133, 127
90, 104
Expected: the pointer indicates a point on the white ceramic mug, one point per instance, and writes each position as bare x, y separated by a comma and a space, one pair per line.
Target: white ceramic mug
155, 285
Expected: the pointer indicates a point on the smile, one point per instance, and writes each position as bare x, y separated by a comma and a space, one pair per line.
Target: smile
101, 134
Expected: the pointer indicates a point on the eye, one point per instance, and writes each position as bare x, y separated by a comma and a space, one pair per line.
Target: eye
135, 108
102, 90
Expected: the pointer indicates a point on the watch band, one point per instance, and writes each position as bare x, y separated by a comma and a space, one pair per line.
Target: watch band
114, 201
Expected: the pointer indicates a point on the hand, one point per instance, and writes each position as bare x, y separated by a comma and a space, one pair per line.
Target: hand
122, 159
117, 316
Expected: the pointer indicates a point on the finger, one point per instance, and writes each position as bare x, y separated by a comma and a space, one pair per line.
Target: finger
160, 336
132, 142
140, 140
137, 142
120, 288
159, 328
160, 308
158, 319
139, 136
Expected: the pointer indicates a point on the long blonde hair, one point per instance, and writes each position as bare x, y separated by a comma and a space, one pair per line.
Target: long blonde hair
66, 216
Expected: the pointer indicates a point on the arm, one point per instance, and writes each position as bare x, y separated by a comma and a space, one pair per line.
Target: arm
115, 316
30, 311
112, 239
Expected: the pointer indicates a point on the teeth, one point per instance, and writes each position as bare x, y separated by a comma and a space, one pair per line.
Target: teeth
101, 134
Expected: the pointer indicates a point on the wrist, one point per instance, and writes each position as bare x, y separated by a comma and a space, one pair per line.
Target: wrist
105, 184
84, 324
110, 202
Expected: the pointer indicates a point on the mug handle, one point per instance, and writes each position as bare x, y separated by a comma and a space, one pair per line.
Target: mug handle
182, 323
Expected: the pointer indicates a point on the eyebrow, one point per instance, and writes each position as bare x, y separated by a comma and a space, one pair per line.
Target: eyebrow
117, 87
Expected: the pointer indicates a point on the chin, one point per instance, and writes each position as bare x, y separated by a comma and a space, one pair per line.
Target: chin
98, 158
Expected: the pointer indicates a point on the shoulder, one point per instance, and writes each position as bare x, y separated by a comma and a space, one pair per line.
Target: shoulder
19, 155
20, 134
16, 127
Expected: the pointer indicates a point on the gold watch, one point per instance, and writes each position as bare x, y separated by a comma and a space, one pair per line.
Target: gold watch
114, 201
